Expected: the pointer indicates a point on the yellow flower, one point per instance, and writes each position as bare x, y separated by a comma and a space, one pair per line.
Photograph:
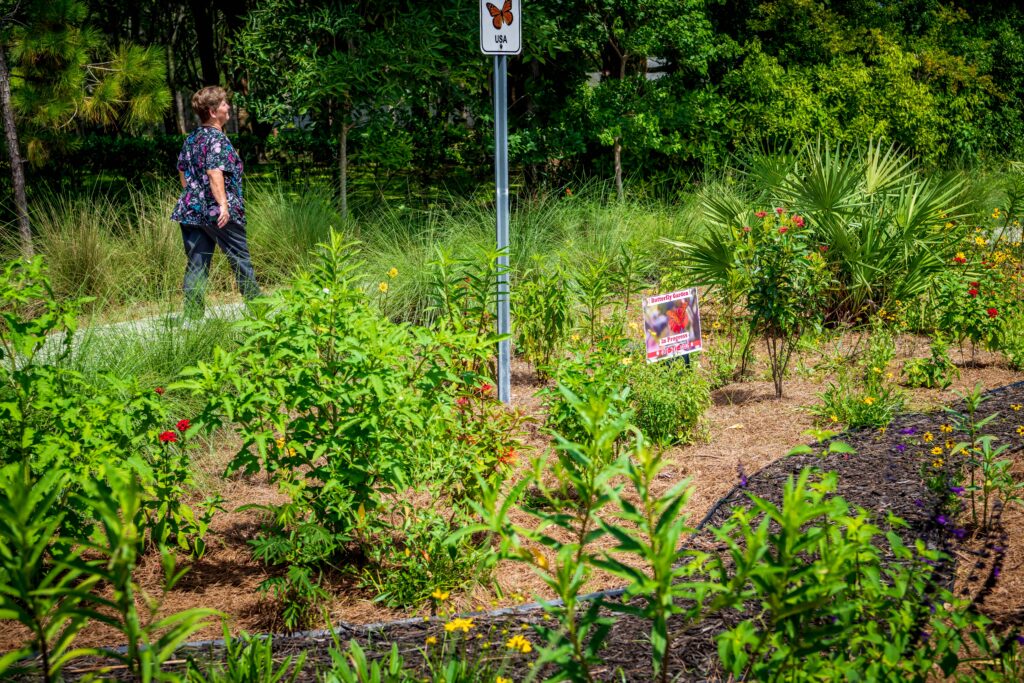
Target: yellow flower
1015, 406
518, 642
878, 370
980, 241
937, 463
881, 430
431, 640
945, 429
716, 325
575, 338
949, 445
279, 442
960, 256
833, 418
937, 450
869, 400
383, 287
627, 360
291, 452
539, 559
634, 326
439, 594
888, 375
500, 679
393, 272
1020, 431
459, 624
927, 437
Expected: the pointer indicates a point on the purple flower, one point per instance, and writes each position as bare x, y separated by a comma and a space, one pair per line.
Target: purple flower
918, 502
960, 533
1020, 640
743, 475
925, 635
908, 431
957, 490
995, 572
941, 519
901, 447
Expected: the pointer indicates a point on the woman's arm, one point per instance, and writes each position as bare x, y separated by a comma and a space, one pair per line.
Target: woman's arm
217, 187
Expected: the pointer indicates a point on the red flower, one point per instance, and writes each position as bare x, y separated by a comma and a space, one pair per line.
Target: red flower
761, 214
782, 230
972, 292
959, 259
974, 284
168, 437
798, 221
484, 388
508, 457
746, 228
992, 312
461, 401
159, 390
183, 425
823, 248
779, 210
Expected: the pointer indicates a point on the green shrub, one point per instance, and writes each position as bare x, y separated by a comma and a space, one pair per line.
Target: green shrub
669, 399
864, 395
540, 307
935, 371
344, 409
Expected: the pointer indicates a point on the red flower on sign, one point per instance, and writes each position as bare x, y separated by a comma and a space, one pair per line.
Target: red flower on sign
183, 425
678, 319
992, 312
168, 437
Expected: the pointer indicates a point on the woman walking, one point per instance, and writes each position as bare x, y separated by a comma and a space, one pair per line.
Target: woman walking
211, 210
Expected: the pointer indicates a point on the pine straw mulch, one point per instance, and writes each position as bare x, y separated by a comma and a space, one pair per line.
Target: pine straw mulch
884, 476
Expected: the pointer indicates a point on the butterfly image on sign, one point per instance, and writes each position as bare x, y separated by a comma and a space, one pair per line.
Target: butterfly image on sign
501, 16
671, 324
501, 24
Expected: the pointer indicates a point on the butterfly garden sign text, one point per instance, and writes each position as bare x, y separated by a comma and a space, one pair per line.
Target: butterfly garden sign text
500, 22
671, 324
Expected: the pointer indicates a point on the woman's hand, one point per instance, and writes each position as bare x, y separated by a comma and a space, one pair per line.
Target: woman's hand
217, 187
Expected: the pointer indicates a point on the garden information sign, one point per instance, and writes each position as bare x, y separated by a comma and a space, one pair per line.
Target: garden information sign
672, 324
500, 36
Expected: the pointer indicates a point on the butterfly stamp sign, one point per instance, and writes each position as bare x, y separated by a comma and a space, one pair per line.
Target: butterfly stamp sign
672, 324
500, 22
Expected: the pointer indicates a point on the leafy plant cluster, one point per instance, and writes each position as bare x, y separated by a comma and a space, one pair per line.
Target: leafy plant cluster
864, 395
353, 417
822, 601
56, 419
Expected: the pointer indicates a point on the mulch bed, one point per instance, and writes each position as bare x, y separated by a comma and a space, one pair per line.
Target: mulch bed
883, 476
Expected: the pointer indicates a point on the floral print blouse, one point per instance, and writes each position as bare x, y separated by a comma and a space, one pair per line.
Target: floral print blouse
207, 148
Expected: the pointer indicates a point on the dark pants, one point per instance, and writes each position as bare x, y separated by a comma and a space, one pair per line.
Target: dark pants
199, 243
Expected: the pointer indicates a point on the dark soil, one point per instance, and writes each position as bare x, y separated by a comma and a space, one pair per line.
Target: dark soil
885, 475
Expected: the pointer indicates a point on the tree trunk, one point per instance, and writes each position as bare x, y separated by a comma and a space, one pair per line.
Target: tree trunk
14, 152
202, 15
618, 169
343, 168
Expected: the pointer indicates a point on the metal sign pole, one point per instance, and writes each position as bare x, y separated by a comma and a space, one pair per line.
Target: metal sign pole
504, 378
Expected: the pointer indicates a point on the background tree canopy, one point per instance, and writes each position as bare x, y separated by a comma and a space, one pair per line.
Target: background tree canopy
397, 89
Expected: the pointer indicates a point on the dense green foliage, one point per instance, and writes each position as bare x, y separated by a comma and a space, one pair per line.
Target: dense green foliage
654, 89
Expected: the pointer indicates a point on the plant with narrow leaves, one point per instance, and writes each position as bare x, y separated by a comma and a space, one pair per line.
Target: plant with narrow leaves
649, 555
247, 659
40, 588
